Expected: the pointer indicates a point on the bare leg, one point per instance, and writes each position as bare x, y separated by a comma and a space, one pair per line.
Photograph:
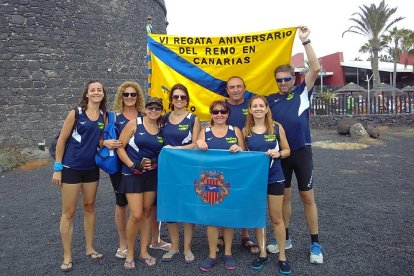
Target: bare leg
120, 222
173, 230
149, 198
287, 207
261, 240
188, 237
136, 206
228, 240
311, 211
70, 194
212, 236
89, 213
275, 210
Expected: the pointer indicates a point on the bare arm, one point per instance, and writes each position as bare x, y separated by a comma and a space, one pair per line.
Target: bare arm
284, 145
124, 138
314, 66
201, 141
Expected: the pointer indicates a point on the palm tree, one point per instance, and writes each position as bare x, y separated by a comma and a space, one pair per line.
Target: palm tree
407, 46
395, 38
373, 21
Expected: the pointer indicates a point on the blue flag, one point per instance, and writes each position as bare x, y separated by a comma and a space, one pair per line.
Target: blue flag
213, 187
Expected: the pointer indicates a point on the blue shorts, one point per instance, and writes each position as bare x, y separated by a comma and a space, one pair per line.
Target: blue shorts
299, 162
120, 198
138, 183
73, 176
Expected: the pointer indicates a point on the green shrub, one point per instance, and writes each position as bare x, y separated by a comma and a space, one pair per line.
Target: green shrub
11, 157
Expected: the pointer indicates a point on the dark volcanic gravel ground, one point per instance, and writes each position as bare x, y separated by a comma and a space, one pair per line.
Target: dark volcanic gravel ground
366, 210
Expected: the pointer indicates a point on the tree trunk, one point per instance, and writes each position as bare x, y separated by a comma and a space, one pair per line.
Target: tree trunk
374, 65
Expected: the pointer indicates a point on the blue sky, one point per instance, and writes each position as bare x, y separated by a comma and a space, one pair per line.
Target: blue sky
326, 19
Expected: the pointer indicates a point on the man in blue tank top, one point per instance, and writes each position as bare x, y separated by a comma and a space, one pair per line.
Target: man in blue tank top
290, 107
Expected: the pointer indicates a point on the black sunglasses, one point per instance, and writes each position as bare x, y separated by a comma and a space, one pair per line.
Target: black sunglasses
154, 107
181, 97
287, 79
221, 111
126, 95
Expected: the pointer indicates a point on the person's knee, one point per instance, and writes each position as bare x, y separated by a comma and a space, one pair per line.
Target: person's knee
308, 198
88, 207
69, 214
136, 215
148, 212
276, 218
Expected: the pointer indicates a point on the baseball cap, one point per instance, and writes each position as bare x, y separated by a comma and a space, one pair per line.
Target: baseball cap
153, 100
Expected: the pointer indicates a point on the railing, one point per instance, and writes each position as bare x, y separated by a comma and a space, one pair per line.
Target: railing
363, 105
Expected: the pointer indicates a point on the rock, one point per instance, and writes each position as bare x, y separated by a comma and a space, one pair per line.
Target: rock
358, 131
373, 132
345, 124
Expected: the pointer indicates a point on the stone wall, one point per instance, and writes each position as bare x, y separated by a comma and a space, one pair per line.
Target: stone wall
331, 121
49, 49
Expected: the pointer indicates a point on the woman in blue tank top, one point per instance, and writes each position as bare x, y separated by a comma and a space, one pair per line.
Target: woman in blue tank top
141, 144
220, 136
75, 170
180, 131
263, 134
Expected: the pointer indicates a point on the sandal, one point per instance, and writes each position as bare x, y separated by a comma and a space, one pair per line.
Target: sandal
129, 264
148, 261
162, 246
169, 256
121, 254
66, 267
95, 256
189, 258
250, 245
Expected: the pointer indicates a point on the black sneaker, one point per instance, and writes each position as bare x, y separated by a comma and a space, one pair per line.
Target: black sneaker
284, 267
259, 262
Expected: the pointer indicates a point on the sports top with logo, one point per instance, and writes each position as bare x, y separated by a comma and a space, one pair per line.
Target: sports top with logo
264, 142
178, 134
225, 142
292, 111
83, 143
143, 145
238, 114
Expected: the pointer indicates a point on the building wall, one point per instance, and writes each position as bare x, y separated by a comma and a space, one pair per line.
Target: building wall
332, 63
49, 49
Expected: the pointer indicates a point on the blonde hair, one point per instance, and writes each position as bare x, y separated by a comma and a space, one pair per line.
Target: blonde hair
118, 105
250, 120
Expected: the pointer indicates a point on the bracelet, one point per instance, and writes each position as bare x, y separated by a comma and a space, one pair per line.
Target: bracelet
306, 42
57, 167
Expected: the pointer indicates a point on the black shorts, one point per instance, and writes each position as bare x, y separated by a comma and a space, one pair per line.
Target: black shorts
120, 199
73, 176
299, 162
138, 183
277, 188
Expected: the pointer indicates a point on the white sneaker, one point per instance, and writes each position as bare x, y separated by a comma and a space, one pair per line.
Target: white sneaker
316, 256
274, 248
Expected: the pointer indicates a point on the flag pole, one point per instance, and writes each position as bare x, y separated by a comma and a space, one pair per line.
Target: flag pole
148, 28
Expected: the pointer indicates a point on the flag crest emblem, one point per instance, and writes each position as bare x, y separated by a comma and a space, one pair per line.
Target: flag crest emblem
211, 187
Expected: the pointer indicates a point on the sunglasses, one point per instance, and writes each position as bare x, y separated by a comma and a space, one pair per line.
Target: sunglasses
126, 95
221, 111
181, 97
154, 107
287, 79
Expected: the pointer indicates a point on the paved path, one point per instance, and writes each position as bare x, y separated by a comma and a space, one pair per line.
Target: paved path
365, 199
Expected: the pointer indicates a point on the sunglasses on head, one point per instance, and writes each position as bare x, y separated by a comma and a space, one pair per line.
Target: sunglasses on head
287, 79
154, 107
126, 95
181, 97
221, 111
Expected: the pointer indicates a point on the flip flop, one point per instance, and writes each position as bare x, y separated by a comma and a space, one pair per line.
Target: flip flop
166, 246
95, 256
129, 264
69, 266
148, 261
189, 258
250, 245
169, 256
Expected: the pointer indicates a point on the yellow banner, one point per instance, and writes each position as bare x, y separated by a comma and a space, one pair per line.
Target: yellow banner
204, 64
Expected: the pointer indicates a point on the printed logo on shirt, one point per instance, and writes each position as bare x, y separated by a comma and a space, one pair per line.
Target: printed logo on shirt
245, 111
231, 140
82, 123
101, 125
183, 127
141, 133
270, 137
209, 138
160, 139
121, 123
290, 96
